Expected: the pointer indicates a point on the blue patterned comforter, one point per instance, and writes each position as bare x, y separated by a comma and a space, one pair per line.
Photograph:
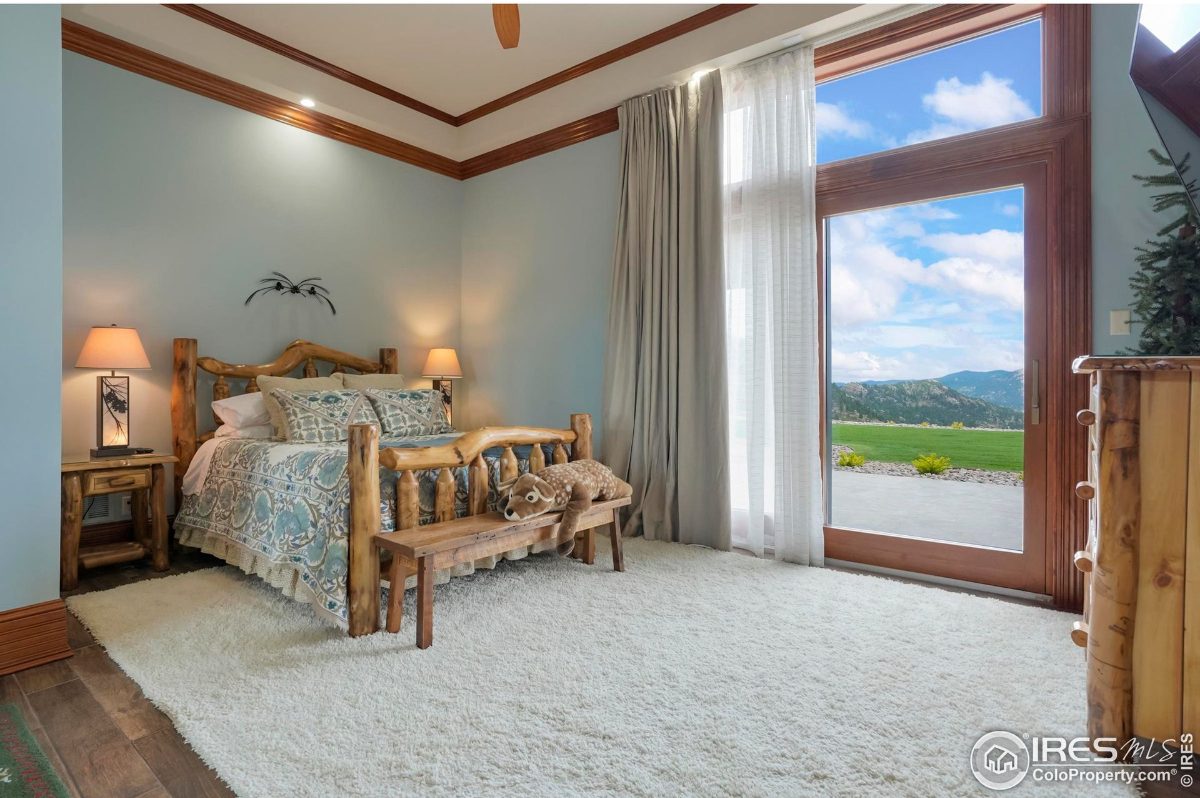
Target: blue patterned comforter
291, 505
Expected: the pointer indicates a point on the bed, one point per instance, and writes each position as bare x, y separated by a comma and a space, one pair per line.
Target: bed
296, 514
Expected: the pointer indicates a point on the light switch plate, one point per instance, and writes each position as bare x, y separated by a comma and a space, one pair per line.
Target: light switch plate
1118, 322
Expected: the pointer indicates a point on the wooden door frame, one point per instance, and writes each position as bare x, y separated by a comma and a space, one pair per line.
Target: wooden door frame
1018, 570
1059, 142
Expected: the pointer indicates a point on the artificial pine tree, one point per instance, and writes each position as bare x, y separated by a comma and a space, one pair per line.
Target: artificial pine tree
1166, 285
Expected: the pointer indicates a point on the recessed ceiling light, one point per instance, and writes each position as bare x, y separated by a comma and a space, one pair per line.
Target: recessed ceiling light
308, 102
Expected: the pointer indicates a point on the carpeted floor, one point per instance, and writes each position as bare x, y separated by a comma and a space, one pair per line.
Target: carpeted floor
693, 673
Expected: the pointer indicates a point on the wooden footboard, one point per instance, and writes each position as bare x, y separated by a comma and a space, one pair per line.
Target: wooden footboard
366, 458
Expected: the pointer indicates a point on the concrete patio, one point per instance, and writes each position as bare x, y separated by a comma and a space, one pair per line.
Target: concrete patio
960, 512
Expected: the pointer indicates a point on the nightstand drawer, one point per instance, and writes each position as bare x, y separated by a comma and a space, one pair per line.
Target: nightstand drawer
115, 481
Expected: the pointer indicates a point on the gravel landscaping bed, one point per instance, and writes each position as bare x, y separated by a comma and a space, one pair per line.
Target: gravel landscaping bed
952, 474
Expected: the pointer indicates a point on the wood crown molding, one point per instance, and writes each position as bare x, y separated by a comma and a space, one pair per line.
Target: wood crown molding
672, 31
33, 635
111, 50
694, 22
287, 51
563, 136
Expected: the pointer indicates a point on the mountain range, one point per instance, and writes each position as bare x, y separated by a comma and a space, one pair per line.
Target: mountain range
976, 398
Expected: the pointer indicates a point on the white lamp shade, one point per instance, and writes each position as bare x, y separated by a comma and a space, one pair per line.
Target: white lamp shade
113, 348
442, 364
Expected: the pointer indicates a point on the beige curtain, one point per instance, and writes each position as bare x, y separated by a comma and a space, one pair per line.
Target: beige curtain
666, 414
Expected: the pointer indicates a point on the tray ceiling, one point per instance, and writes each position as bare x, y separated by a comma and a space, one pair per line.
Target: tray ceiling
448, 57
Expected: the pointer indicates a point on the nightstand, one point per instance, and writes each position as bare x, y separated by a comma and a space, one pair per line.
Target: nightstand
143, 476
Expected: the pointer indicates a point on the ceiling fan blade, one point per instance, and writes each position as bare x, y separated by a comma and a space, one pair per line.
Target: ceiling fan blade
508, 24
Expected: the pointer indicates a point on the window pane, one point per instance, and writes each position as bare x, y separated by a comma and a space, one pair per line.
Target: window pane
926, 357
977, 84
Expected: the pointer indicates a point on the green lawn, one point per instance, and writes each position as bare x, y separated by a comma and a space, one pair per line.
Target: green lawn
966, 448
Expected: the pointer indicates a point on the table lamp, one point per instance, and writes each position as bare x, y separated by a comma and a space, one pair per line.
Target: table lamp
112, 348
442, 366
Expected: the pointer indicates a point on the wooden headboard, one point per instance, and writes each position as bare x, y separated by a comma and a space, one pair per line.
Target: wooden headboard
185, 423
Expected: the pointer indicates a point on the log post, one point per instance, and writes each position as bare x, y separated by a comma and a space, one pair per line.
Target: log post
443, 505
310, 369
508, 463
408, 515
362, 588
581, 425
71, 528
220, 390
1115, 562
477, 486
183, 409
408, 501
160, 542
389, 359
560, 454
537, 459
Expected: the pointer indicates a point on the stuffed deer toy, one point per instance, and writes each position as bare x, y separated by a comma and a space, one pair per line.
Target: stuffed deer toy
570, 487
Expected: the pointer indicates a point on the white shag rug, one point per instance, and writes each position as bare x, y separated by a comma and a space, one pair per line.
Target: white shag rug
692, 673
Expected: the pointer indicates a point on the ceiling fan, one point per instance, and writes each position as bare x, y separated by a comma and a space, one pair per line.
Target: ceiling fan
508, 24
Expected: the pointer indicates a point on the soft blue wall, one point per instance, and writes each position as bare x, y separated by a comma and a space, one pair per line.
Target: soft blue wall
31, 302
536, 273
1121, 135
175, 205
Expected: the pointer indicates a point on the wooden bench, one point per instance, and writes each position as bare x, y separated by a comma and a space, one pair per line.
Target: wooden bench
426, 549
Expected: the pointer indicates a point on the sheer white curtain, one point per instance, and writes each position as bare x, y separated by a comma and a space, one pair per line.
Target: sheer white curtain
771, 306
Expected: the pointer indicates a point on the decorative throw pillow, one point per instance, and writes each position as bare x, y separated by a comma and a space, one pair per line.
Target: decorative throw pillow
411, 412
267, 385
388, 382
323, 416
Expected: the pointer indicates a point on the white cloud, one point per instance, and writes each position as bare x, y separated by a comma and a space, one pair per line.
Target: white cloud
868, 277
1004, 246
1010, 209
983, 279
834, 120
989, 265
965, 107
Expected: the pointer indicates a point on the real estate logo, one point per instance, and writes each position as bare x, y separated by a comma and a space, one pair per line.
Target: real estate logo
1000, 760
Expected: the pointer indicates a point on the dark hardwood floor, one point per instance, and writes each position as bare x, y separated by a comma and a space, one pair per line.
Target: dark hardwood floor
101, 734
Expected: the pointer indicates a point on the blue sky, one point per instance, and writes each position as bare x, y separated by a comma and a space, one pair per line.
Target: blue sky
923, 290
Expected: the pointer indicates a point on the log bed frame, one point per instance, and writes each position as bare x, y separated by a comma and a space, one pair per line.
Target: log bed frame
365, 566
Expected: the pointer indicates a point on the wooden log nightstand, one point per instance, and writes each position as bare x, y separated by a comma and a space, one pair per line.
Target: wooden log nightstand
143, 476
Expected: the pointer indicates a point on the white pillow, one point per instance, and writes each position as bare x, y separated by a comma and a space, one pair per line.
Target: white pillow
260, 431
244, 410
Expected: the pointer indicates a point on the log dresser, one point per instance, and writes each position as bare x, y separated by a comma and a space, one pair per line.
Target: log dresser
142, 476
1141, 566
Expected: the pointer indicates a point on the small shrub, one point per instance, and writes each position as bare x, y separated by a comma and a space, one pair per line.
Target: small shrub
957, 425
931, 464
924, 423
851, 459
